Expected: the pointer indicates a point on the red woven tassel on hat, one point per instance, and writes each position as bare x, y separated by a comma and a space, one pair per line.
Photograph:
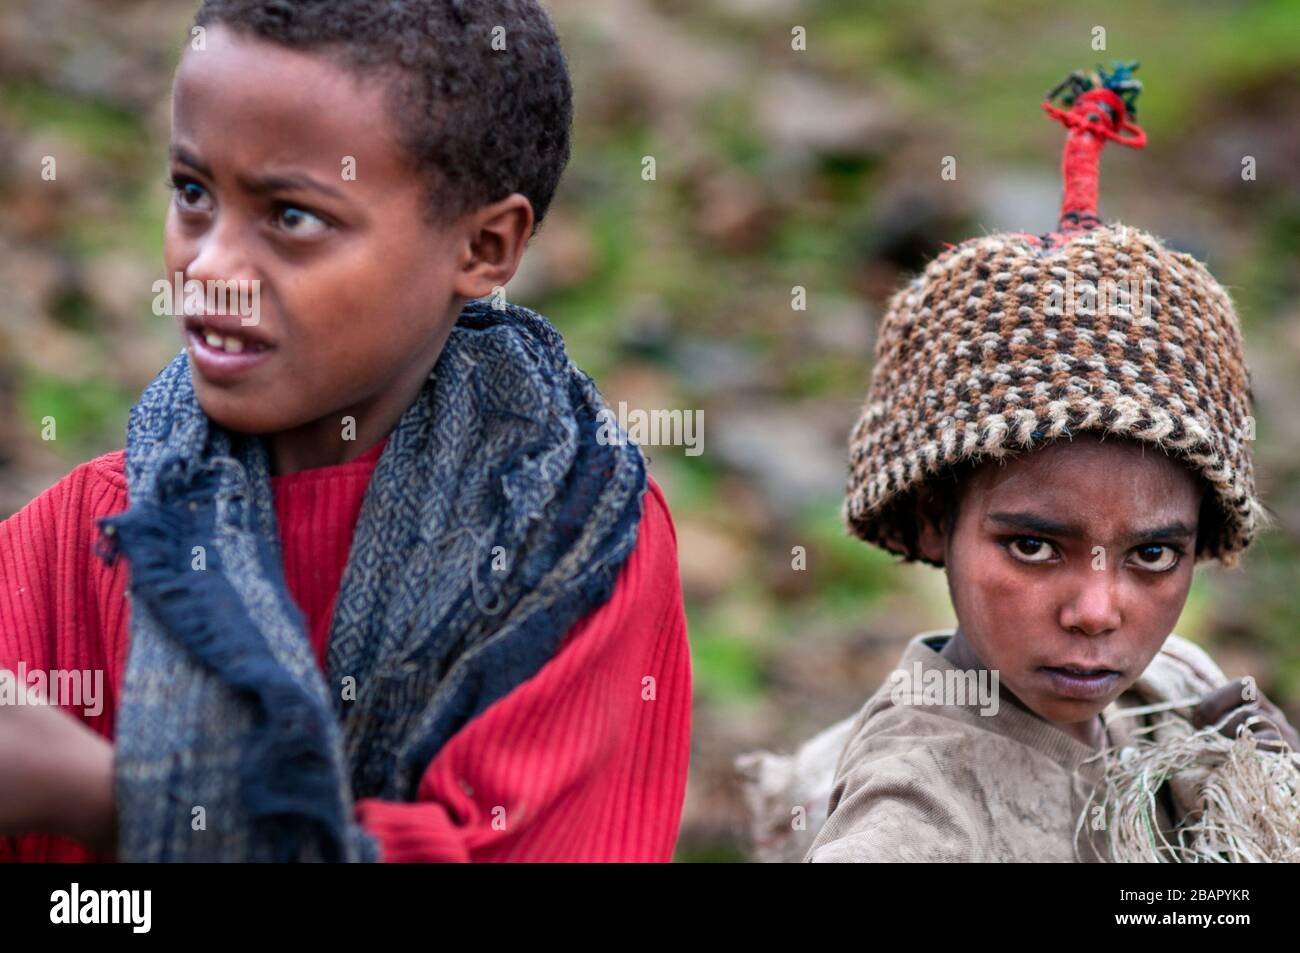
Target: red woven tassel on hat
1100, 107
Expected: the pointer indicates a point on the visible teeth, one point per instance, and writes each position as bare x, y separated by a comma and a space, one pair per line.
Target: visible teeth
234, 345
215, 340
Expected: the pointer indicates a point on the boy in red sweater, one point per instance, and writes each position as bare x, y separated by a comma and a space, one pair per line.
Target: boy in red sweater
366, 583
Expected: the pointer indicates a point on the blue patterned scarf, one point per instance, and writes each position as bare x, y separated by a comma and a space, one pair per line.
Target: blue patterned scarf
494, 520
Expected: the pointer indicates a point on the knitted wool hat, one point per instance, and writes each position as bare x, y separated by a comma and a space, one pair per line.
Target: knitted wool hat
1006, 342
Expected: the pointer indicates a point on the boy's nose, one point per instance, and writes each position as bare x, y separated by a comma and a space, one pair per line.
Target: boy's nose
1093, 608
220, 255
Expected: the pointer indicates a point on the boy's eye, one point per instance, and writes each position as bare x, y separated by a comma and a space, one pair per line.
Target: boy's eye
1156, 557
1030, 549
190, 196
299, 222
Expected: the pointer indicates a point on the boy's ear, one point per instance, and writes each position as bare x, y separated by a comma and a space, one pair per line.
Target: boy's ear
931, 535
495, 238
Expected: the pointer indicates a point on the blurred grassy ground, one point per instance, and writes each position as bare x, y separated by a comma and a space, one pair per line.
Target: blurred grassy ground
775, 168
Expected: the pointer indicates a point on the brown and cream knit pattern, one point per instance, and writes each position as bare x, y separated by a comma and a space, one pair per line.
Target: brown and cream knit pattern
1007, 342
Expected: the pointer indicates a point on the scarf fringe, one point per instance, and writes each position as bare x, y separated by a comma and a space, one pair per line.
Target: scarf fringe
288, 772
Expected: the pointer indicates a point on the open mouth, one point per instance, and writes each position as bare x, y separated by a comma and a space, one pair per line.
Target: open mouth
225, 357
226, 334
229, 343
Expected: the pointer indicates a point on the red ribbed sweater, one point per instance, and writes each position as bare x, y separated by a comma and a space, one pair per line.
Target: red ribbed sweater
587, 762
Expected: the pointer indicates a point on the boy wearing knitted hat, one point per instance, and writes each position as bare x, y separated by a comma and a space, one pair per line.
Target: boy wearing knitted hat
391, 596
1062, 424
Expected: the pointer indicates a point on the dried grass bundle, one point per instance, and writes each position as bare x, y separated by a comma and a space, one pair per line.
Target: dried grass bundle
1247, 796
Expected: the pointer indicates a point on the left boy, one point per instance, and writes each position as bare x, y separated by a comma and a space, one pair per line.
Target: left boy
389, 596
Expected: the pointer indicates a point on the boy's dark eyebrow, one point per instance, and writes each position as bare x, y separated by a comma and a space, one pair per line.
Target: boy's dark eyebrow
1041, 524
261, 185
181, 154
1173, 530
287, 182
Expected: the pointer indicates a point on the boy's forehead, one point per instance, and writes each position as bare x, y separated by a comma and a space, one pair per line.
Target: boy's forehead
268, 103
1111, 480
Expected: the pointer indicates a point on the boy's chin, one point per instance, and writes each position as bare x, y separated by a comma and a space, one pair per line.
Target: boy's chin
236, 415
1069, 711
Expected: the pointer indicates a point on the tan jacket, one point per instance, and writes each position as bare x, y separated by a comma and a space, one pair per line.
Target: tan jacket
947, 783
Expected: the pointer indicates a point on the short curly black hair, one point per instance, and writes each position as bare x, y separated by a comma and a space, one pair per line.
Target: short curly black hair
480, 121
